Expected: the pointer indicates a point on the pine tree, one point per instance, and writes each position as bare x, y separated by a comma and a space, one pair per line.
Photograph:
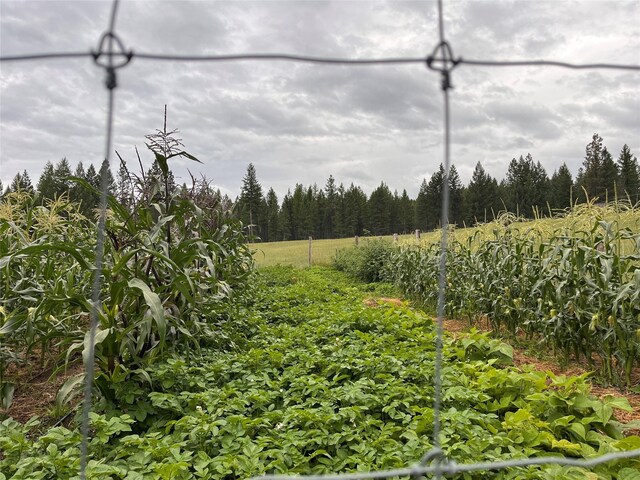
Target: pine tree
286, 217
272, 211
481, 196
629, 179
406, 213
355, 211
312, 212
79, 194
561, 188
434, 198
422, 206
105, 169
379, 206
61, 175
21, 183
299, 218
526, 186
250, 203
589, 177
47, 183
331, 208
456, 207
609, 176
124, 186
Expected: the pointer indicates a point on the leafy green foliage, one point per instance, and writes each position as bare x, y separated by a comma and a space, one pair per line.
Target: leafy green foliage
364, 262
577, 288
167, 274
326, 384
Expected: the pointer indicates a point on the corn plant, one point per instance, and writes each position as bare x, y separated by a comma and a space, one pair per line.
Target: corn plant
574, 287
159, 292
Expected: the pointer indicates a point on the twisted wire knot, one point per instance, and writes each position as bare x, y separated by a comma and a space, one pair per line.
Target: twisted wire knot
111, 47
442, 60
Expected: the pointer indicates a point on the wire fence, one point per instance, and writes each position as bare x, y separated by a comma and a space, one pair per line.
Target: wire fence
112, 55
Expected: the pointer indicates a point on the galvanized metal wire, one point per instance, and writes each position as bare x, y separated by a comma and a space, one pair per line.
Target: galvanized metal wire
111, 55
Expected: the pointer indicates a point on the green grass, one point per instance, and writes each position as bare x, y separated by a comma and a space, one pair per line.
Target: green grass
296, 253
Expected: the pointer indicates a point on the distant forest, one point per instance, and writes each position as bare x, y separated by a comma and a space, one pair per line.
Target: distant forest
527, 190
337, 211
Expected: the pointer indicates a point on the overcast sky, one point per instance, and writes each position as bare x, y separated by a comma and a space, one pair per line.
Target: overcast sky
301, 122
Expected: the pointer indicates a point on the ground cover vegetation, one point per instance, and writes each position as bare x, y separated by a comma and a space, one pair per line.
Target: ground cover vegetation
572, 283
322, 378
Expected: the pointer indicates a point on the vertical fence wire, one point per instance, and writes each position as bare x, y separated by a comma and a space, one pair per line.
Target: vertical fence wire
110, 84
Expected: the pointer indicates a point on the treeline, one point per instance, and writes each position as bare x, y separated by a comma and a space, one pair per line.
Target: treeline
527, 190
337, 211
129, 188
56, 181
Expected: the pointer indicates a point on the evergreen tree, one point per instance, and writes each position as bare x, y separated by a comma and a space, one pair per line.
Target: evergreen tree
456, 207
311, 211
79, 194
434, 198
406, 213
339, 227
379, 206
422, 206
105, 169
91, 176
286, 217
1, 189
75, 193
609, 176
355, 211
526, 186
629, 179
47, 183
61, 175
272, 211
561, 188
331, 209
299, 217
124, 191
481, 196
21, 183
250, 203
320, 201
590, 175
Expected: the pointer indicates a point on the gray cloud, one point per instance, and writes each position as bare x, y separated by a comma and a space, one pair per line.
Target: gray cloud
300, 122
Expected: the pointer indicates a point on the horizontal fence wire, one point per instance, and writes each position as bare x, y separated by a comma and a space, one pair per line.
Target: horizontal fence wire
434, 462
291, 57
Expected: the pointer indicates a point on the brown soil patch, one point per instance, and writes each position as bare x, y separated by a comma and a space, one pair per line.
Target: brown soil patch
520, 359
35, 391
375, 302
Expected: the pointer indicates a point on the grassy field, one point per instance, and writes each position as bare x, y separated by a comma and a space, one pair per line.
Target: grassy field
296, 253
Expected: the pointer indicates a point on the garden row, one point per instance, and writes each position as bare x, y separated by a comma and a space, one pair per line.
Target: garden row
320, 382
575, 287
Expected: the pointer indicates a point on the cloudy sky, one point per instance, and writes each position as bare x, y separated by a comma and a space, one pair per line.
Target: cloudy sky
302, 122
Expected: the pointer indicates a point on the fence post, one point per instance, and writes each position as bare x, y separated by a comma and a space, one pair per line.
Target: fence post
356, 240
417, 234
395, 237
310, 240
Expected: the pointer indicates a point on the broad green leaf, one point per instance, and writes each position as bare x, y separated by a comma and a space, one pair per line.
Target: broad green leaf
155, 306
